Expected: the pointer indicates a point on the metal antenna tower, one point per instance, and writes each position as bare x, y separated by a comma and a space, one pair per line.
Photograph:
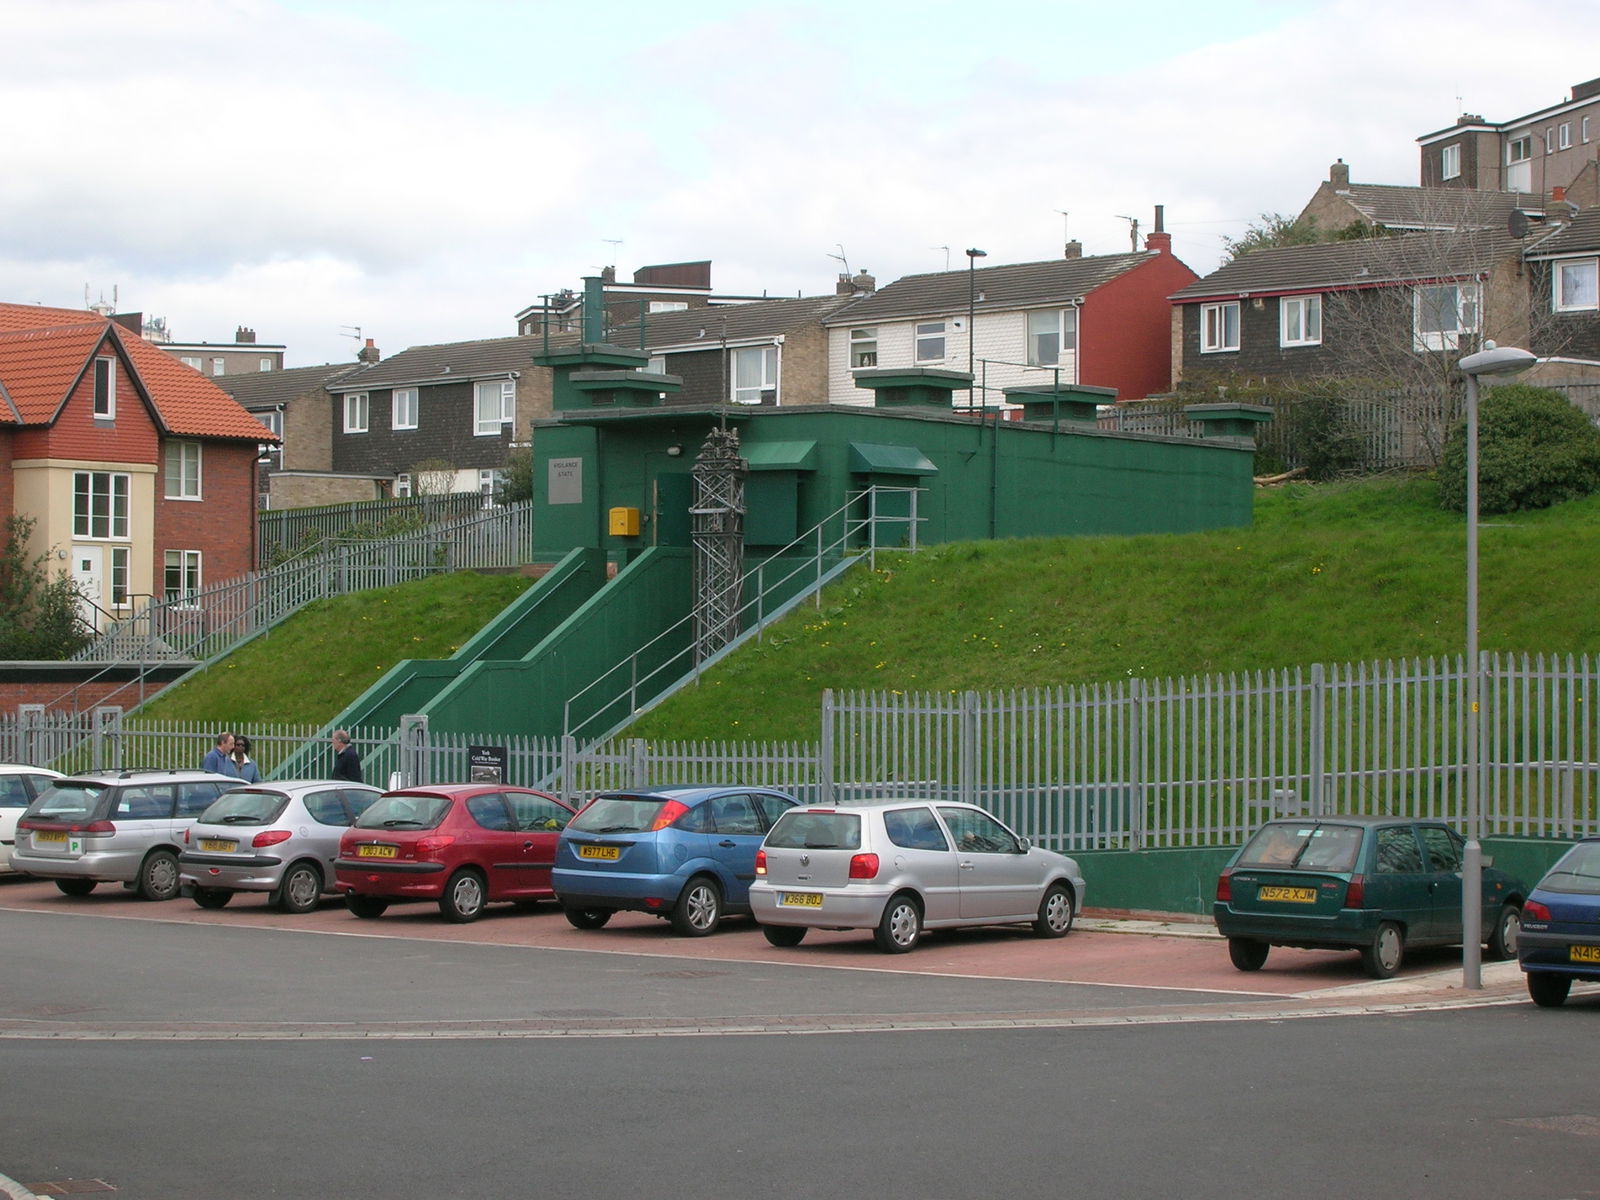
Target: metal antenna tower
718, 538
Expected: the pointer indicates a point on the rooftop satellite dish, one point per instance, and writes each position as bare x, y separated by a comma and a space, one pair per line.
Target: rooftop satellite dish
1517, 223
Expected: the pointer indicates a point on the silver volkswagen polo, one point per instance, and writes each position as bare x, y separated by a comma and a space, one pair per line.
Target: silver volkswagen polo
898, 867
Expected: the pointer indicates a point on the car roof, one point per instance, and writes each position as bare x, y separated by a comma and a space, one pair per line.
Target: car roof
879, 803
1367, 819
464, 790
145, 775
691, 795
26, 769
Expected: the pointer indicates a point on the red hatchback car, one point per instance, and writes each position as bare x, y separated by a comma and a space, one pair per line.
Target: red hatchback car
461, 844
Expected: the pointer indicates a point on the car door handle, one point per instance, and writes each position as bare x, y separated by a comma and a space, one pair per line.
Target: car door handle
966, 866
727, 843
528, 845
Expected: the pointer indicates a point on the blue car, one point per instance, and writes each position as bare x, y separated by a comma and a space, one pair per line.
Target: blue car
1561, 926
685, 854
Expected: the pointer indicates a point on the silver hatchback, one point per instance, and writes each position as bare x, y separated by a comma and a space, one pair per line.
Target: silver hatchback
898, 867
279, 838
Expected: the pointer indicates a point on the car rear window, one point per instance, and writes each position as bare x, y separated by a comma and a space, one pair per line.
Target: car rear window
68, 802
914, 829
1577, 871
1303, 845
817, 831
618, 814
245, 806
404, 811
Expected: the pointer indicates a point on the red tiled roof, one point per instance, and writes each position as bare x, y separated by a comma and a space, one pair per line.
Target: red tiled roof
39, 366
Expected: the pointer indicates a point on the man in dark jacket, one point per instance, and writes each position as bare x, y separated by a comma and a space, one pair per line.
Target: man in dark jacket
346, 762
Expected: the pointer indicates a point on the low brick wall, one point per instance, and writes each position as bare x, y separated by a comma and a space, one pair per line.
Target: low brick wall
79, 687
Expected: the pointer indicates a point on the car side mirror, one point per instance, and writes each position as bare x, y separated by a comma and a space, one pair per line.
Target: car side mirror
1024, 844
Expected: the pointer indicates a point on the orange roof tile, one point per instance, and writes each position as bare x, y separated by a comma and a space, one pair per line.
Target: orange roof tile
189, 404
39, 366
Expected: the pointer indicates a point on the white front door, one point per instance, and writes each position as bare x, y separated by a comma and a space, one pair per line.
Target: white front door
88, 572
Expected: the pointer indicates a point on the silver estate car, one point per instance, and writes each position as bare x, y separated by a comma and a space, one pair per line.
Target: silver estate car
20, 786
898, 867
278, 838
114, 827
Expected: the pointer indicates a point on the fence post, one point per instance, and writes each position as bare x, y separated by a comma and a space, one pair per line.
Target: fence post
1317, 733
106, 733
30, 719
413, 739
967, 750
825, 764
565, 788
911, 541
638, 763
1139, 814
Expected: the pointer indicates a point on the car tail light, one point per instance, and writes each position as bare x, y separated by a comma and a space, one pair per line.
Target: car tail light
270, 838
1532, 910
761, 862
91, 829
432, 845
863, 866
1355, 896
1225, 887
670, 812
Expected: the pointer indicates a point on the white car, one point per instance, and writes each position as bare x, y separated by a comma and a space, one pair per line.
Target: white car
898, 867
20, 785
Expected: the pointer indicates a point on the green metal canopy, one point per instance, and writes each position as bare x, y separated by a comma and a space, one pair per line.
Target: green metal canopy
875, 458
780, 456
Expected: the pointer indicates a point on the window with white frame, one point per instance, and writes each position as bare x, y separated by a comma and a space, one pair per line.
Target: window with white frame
660, 306
755, 374
1300, 321
1584, 129
1450, 161
657, 365
266, 364
1550, 140
105, 387
863, 348
190, 360
930, 341
181, 579
120, 558
1577, 285
1219, 327
182, 470
355, 412
99, 504
490, 482
1445, 311
1051, 333
495, 405
1564, 136
402, 485
218, 367
272, 418
403, 408
1519, 168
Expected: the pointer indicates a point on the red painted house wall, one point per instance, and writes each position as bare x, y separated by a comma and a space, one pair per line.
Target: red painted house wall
1125, 326
129, 437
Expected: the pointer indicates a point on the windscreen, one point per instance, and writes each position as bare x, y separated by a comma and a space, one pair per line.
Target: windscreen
245, 806
1577, 871
1303, 845
404, 811
801, 830
618, 814
69, 800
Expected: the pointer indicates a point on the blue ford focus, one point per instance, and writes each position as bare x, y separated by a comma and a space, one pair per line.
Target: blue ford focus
684, 854
1561, 926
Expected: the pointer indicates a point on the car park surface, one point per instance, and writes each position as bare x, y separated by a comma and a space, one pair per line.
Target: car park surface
281, 839
685, 854
1560, 940
901, 866
20, 786
1378, 885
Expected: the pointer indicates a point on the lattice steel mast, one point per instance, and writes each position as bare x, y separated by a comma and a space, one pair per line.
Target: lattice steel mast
718, 510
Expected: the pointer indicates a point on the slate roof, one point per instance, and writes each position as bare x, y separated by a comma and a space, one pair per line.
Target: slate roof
761, 318
257, 388
1014, 286
45, 351
1368, 262
449, 361
1410, 207
1580, 236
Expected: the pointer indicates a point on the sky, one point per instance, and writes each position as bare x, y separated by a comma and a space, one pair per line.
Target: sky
326, 171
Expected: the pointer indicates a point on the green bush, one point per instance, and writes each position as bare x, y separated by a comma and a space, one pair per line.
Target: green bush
39, 617
1534, 450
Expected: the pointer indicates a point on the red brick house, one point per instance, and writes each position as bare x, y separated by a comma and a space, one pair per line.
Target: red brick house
138, 470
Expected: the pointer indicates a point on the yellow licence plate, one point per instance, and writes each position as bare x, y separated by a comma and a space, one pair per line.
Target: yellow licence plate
1292, 894
376, 852
1583, 954
222, 844
800, 899
43, 837
607, 852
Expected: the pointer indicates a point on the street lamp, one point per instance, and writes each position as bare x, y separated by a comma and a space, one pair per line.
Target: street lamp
1491, 360
972, 305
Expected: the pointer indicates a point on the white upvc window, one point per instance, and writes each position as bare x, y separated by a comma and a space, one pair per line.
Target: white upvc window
1577, 285
191, 360
1300, 321
495, 406
121, 557
355, 412
661, 306
755, 374
183, 470
181, 576
657, 365
403, 408
1051, 333
863, 348
218, 366
1444, 311
1219, 327
1550, 140
1519, 168
1450, 161
489, 484
1585, 131
266, 364
100, 504
402, 485
930, 341
105, 388
1564, 136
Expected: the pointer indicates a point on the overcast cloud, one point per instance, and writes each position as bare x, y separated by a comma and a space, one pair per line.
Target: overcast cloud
422, 171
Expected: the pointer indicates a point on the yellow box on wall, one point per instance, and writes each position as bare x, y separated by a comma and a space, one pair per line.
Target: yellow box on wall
624, 522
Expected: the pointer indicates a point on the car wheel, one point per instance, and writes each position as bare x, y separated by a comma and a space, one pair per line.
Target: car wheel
784, 935
1381, 959
75, 887
300, 890
158, 875
1055, 912
1547, 989
212, 897
1503, 937
366, 907
699, 910
587, 918
1247, 954
463, 897
900, 926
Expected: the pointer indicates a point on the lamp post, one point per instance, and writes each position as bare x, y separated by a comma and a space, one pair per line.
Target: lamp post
972, 307
1491, 360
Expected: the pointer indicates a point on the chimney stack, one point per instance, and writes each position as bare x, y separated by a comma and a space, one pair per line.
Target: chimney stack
244, 335
863, 284
1074, 249
843, 287
1339, 174
1159, 239
368, 353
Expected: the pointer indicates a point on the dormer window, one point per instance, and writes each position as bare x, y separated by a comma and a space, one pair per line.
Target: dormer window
105, 388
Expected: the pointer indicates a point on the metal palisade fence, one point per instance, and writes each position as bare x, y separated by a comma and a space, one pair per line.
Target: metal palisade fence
1132, 764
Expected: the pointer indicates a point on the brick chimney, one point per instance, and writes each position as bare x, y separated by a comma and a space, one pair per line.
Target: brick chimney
1074, 249
244, 335
1339, 174
843, 287
1158, 239
863, 284
368, 353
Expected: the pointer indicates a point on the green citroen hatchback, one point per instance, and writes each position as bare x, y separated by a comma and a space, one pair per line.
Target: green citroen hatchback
1373, 884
